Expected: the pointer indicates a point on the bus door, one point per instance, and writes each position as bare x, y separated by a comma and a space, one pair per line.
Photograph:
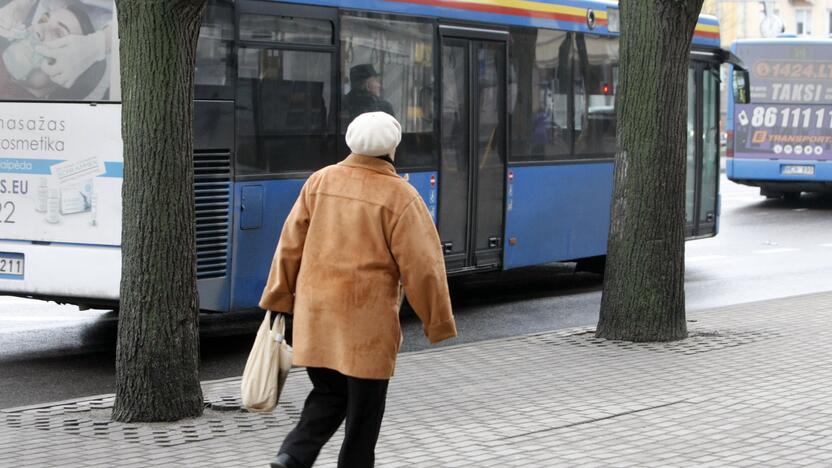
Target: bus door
703, 150
473, 148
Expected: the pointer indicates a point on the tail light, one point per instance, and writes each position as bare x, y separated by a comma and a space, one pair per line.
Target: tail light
729, 144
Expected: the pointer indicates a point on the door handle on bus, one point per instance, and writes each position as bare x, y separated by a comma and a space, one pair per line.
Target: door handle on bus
447, 247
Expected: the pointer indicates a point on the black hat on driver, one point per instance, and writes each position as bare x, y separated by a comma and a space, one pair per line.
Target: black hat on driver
361, 72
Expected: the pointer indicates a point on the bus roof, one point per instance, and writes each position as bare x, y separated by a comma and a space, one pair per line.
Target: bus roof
570, 15
784, 40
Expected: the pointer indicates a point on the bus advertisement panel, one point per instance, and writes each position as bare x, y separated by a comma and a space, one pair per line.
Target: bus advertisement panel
61, 172
791, 112
783, 131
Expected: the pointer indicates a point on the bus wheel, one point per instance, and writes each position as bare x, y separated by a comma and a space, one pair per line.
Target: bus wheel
791, 196
592, 264
771, 193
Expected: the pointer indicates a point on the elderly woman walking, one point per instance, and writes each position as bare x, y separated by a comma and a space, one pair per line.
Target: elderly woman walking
357, 235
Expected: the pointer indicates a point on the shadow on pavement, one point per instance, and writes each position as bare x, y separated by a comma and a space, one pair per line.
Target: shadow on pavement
809, 201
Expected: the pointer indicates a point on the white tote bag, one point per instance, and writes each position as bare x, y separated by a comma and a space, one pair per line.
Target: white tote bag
267, 366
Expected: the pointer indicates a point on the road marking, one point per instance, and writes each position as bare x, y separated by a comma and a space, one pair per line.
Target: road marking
17, 300
705, 258
800, 209
774, 251
739, 196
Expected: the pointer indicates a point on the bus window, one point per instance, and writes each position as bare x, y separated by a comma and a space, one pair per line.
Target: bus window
388, 67
596, 79
285, 29
213, 51
33, 68
285, 90
740, 82
284, 121
540, 80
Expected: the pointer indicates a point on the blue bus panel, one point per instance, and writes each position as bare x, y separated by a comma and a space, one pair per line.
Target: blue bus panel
426, 184
253, 248
557, 213
779, 170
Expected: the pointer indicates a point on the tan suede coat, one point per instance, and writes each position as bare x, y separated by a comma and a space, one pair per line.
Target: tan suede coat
355, 232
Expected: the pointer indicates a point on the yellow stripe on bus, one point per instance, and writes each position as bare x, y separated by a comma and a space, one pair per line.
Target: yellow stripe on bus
712, 28
535, 6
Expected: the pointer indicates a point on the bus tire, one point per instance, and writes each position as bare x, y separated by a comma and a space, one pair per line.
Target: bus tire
791, 196
592, 264
768, 193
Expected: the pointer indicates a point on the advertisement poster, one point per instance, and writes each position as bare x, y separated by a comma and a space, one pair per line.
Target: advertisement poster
791, 112
783, 131
58, 50
61, 171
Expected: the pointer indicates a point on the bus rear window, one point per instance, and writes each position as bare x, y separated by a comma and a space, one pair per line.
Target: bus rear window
788, 72
59, 51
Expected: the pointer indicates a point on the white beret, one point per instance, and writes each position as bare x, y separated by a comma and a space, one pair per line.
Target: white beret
374, 134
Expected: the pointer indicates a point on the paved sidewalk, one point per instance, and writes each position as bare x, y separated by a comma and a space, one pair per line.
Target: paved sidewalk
752, 386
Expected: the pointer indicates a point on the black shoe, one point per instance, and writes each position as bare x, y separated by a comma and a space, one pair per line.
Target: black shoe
284, 460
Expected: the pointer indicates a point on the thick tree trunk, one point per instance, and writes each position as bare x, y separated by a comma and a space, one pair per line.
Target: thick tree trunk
157, 360
644, 291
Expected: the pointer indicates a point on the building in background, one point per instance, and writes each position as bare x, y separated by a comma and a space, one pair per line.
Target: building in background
749, 19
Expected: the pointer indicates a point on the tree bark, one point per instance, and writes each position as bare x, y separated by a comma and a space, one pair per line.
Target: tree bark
157, 357
644, 295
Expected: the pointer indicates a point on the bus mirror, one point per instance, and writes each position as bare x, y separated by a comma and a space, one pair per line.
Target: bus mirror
741, 87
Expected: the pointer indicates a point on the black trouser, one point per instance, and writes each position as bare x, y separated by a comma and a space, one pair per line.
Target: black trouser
333, 397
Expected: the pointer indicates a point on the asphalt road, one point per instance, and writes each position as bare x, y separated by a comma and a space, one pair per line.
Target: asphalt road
765, 249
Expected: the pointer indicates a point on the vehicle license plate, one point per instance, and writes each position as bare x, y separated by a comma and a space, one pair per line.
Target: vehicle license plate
797, 170
11, 264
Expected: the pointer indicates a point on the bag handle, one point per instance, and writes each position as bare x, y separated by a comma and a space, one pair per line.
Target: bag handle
278, 330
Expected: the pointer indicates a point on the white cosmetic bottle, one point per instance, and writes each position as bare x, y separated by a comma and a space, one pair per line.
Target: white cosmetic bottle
43, 195
53, 207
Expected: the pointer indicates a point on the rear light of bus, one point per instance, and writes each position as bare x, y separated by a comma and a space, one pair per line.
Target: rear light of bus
729, 144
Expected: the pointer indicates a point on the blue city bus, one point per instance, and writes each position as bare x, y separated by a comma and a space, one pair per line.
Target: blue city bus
782, 140
507, 112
